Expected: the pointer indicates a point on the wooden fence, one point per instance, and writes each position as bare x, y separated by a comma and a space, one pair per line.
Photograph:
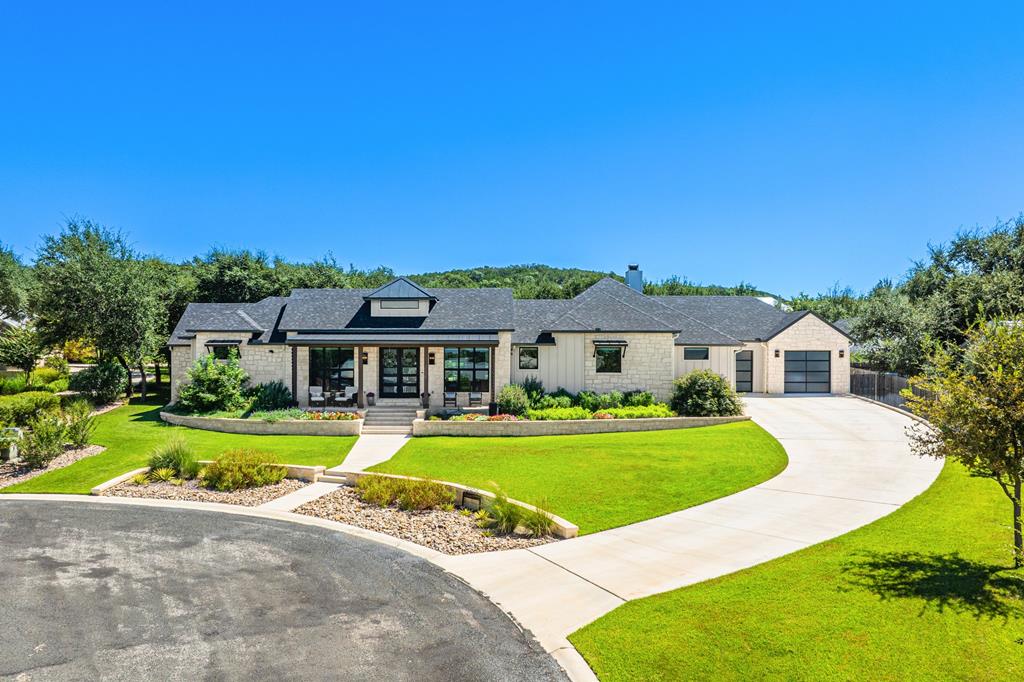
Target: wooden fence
884, 387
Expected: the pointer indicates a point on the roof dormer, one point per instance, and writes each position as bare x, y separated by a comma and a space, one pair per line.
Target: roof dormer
401, 297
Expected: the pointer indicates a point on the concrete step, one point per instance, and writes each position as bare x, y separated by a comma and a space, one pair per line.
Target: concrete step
386, 429
327, 478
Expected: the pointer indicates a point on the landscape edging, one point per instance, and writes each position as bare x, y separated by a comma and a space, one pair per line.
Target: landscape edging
421, 427
258, 427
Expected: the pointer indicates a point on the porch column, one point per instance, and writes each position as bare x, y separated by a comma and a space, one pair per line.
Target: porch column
360, 400
295, 378
425, 351
491, 375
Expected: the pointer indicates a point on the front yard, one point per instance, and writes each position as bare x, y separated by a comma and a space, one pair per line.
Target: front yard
130, 432
925, 593
602, 481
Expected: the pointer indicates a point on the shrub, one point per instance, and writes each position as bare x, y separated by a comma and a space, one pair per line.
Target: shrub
57, 362
20, 409
178, 456
44, 375
237, 469
559, 414
549, 401
12, 385
537, 521
587, 400
409, 495
609, 400
658, 410
80, 422
637, 399
702, 393
43, 441
273, 395
505, 516
139, 479
272, 416
164, 474
534, 388
57, 386
512, 399
214, 385
104, 382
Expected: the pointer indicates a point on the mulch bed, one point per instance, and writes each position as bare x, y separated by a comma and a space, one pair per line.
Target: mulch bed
190, 491
449, 532
17, 473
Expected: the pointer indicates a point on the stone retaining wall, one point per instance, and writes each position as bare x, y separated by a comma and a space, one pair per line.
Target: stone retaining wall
257, 427
562, 528
566, 427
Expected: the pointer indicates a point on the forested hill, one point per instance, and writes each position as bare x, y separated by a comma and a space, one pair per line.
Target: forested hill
544, 281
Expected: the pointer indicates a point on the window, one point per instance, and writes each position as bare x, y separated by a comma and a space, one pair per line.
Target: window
609, 359
223, 352
467, 369
333, 369
696, 353
397, 304
529, 358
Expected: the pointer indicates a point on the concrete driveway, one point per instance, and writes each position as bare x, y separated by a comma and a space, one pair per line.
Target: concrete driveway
849, 464
92, 591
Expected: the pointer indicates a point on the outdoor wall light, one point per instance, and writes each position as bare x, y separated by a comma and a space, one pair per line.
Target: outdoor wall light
471, 501
430, 358
842, 352
776, 352
365, 357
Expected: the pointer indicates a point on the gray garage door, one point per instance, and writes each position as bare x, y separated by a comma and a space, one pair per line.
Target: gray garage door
808, 371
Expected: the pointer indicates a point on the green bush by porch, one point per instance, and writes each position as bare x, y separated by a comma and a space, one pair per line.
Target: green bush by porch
600, 481
130, 433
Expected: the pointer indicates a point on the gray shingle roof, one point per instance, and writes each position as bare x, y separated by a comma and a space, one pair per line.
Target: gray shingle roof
534, 316
340, 310
742, 317
260, 318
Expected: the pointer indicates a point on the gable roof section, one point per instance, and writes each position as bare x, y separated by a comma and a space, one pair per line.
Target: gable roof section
400, 288
794, 317
742, 317
347, 310
533, 316
259, 318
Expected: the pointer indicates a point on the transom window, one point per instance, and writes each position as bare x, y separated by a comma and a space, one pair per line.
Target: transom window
696, 353
399, 304
608, 359
529, 357
333, 369
467, 369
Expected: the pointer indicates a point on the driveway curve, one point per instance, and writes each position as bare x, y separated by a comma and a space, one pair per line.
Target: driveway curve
849, 464
95, 591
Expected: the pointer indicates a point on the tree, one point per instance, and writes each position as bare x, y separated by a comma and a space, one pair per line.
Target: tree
890, 330
834, 304
20, 347
975, 410
93, 286
235, 277
13, 284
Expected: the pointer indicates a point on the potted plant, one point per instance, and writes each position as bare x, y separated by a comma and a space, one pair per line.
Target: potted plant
9, 444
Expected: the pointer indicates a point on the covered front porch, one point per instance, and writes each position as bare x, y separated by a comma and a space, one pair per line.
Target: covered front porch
432, 374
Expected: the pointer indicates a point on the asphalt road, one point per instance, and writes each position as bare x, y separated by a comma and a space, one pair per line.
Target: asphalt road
91, 591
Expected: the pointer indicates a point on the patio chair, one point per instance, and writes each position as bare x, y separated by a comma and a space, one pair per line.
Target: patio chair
350, 395
476, 399
316, 396
451, 399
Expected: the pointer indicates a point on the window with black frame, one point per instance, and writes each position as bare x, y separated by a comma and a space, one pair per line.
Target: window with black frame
333, 369
467, 369
608, 359
529, 357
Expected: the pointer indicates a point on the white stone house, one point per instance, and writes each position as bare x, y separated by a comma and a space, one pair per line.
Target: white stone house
405, 344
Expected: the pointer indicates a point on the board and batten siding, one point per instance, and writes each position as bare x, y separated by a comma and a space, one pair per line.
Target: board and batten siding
722, 361
560, 365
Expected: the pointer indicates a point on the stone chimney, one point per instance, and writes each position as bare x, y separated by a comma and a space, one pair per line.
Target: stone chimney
635, 277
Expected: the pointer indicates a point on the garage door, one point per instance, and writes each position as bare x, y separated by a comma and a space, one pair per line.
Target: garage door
808, 371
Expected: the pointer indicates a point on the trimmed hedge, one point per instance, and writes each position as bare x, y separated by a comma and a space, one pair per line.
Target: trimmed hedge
20, 409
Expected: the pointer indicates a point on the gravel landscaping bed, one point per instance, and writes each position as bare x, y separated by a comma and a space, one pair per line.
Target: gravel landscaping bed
191, 491
445, 531
16, 473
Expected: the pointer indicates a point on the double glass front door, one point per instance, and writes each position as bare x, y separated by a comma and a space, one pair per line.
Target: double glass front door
399, 372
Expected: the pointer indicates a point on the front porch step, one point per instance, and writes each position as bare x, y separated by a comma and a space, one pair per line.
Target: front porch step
370, 430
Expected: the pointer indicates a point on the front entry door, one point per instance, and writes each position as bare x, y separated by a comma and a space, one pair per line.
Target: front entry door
399, 372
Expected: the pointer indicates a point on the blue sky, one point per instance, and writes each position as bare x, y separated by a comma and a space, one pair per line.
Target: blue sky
791, 146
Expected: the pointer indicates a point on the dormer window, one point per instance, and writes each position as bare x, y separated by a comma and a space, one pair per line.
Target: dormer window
400, 297
399, 304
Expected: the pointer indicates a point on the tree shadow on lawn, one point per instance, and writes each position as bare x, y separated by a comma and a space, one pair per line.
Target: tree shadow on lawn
940, 581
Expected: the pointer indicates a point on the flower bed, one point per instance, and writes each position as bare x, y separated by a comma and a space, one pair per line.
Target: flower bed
193, 492
327, 425
522, 427
17, 472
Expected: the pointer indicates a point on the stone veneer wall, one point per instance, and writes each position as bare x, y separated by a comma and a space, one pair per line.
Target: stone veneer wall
647, 364
809, 333
566, 427
263, 363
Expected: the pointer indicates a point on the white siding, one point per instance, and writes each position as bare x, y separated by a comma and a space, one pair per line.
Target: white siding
721, 360
560, 366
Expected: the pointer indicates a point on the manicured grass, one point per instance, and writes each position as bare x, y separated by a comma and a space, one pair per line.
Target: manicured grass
926, 593
603, 480
131, 432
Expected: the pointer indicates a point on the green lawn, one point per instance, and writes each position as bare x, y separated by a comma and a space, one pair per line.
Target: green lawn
926, 593
131, 432
601, 481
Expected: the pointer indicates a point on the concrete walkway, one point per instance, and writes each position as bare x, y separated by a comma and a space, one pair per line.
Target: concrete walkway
300, 497
370, 449
849, 464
